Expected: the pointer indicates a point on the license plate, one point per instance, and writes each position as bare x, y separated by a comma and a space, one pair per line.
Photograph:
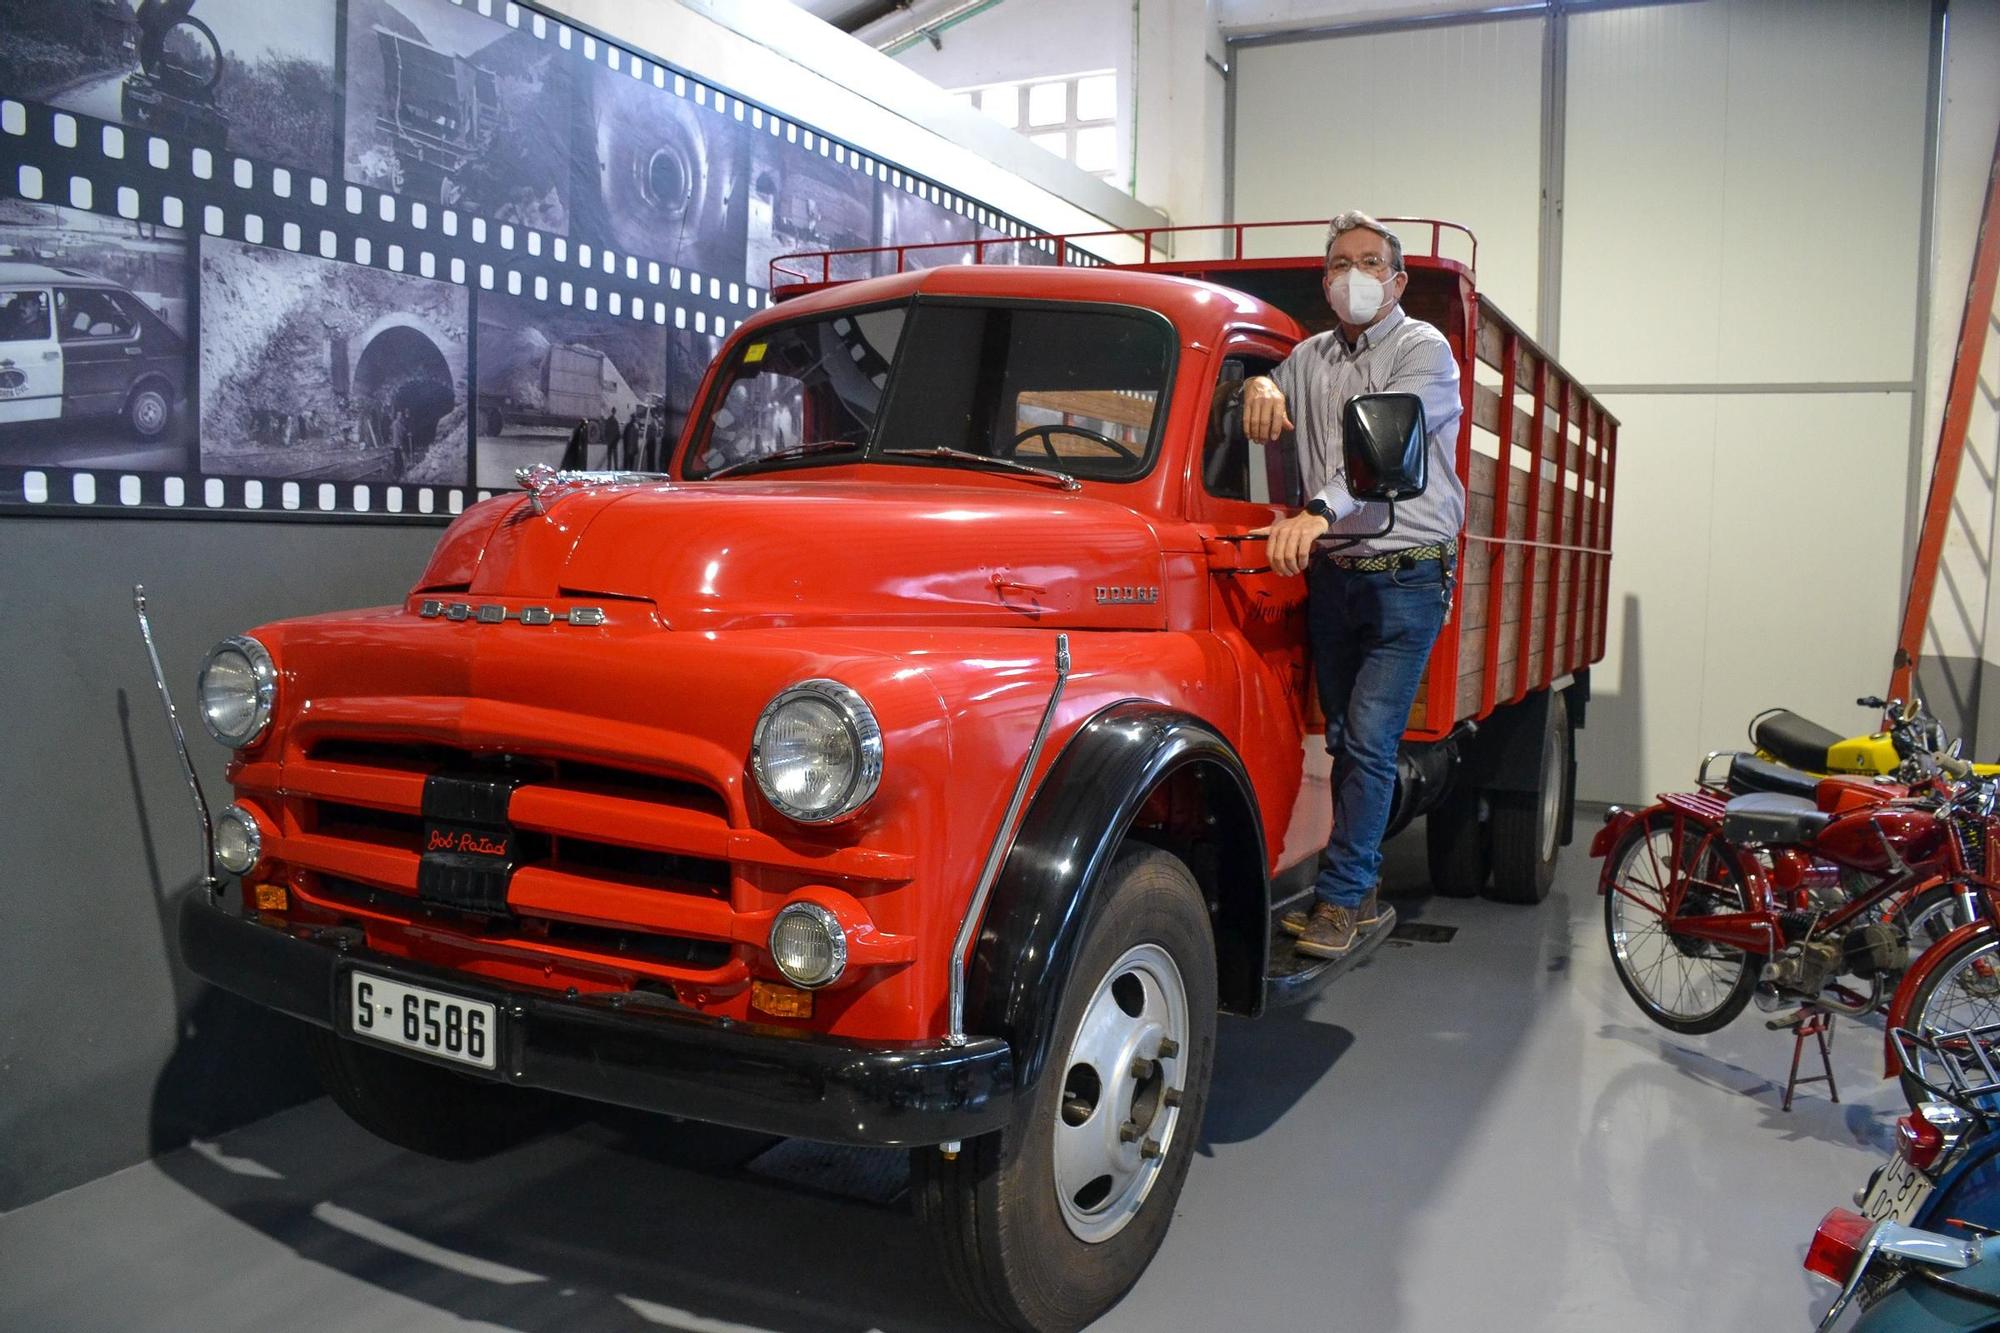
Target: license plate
419, 1019
1899, 1190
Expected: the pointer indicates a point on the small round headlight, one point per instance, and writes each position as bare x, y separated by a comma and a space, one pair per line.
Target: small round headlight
238, 843
808, 945
236, 690
817, 752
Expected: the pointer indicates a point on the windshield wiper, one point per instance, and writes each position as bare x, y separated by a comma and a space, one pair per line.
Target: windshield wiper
1068, 482
805, 450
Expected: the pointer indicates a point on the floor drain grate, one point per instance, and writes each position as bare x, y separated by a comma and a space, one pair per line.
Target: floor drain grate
1419, 932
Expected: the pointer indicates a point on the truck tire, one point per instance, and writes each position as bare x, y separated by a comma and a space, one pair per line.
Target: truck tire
1045, 1224
1458, 844
423, 1107
1526, 827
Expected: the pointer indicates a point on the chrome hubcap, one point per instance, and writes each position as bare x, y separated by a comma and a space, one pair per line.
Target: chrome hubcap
1553, 778
1122, 1083
150, 411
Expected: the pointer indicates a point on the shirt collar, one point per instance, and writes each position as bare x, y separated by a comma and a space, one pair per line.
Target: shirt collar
1373, 335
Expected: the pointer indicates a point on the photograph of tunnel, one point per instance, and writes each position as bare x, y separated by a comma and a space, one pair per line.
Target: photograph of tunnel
455, 109
909, 219
248, 76
569, 387
659, 175
801, 201
94, 340
316, 370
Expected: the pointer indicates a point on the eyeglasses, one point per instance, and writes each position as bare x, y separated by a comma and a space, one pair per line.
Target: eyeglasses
1373, 265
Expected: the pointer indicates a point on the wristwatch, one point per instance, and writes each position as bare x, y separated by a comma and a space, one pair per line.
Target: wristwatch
1319, 508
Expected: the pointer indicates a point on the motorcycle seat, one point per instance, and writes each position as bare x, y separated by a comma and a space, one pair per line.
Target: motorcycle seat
1747, 774
1768, 819
1791, 739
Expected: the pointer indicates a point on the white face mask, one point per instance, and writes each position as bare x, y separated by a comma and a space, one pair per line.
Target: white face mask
1356, 297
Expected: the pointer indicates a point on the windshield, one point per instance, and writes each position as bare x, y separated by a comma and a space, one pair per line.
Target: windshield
1076, 389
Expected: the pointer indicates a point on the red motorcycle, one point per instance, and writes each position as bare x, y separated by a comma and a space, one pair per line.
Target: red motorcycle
1777, 885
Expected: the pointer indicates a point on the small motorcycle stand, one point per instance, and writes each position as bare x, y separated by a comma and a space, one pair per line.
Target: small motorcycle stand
1816, 1023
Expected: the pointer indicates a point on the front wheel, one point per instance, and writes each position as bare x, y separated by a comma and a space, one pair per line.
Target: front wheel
1046, 1223
1956, 991
1681, 983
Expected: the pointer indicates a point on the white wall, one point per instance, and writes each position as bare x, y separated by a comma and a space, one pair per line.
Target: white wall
1740, 249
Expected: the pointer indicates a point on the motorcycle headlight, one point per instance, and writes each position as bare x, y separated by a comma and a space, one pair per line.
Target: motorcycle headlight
236, 691
817, 752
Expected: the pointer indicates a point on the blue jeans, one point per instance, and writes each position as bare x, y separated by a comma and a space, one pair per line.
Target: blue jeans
1371, 636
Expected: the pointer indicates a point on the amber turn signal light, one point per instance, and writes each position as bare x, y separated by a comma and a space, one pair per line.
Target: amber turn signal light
272, 898
780, 1001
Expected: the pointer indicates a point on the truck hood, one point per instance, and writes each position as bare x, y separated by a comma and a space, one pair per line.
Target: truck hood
756, 554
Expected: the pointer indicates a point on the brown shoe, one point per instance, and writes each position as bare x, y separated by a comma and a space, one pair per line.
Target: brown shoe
1367, 914
1329, 933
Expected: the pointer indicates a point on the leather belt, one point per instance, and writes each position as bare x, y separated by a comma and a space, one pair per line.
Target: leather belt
1386, 560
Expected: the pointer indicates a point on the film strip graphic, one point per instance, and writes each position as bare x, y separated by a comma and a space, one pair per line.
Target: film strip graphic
71, 160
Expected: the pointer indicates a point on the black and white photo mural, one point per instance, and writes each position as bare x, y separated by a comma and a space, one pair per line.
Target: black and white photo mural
370, 258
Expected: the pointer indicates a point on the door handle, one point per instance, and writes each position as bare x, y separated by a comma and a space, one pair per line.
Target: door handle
135, 351
1226, 556
51, 356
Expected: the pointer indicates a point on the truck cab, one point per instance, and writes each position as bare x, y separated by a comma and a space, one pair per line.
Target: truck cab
923, 759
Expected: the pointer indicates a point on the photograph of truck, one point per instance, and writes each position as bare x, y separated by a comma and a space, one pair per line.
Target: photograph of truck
242, 75
313, 369
451, 108
545, 369
94, 340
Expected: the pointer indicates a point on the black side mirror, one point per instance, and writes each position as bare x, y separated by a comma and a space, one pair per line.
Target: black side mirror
1385, 446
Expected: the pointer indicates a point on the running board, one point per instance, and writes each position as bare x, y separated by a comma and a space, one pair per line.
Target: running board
1295, 978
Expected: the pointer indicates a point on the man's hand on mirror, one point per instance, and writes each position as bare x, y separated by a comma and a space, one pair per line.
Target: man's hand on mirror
1290, 541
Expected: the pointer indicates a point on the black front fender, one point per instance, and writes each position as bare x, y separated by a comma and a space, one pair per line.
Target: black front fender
1053, 880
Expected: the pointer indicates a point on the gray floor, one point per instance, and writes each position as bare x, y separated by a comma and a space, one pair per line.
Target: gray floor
1477, 1134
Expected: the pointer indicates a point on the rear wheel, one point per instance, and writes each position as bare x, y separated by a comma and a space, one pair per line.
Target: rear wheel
1457, 843
1046, 1223
1684, 984
425, 1108
147, 411
1527, 826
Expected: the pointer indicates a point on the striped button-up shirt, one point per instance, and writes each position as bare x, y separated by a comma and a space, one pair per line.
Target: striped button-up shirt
1396, 355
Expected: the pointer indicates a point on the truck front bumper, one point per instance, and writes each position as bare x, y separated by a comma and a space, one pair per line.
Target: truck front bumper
773, 1080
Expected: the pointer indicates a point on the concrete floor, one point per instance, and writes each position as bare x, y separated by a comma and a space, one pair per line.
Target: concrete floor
1480, 1134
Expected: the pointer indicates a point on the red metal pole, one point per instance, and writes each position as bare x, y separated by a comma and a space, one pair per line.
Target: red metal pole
1537, 432
1573, 560
1562, 538
1610, 489
1951, 439
1496, 552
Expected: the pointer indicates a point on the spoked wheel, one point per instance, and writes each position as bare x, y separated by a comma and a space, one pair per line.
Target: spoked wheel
1044, 1224
1958, 991
1685, 984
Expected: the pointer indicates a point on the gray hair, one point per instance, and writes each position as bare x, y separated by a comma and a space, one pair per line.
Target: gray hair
1354, 220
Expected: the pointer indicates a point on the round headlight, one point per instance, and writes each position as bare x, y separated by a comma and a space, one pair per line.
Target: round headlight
237, 687
808, 945
817, 752
238, 844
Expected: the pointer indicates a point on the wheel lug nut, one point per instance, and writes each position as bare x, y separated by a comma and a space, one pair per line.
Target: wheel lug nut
1149, 1149
1142, 1068
1128, 1132
1172, 1097
1169, 1048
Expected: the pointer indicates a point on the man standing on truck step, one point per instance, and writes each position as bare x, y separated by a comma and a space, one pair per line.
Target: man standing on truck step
1374, 607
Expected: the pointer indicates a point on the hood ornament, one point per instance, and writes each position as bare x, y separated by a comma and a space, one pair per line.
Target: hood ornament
546, 484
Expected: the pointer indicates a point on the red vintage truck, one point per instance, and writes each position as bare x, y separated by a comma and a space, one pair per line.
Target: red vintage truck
924, 760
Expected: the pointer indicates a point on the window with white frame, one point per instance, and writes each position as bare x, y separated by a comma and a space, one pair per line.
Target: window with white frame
1074, 116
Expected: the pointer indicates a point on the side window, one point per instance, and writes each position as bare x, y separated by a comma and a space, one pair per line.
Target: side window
86, 313
1235, 467
24, 316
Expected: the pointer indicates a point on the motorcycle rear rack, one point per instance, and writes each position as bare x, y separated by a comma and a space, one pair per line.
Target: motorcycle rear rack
1967, 1060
